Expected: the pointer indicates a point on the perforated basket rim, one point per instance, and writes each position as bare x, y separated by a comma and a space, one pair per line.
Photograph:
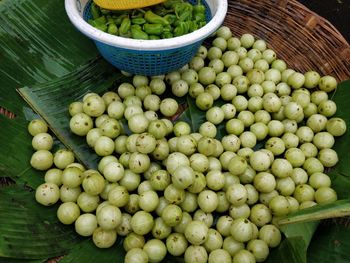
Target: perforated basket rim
218, 8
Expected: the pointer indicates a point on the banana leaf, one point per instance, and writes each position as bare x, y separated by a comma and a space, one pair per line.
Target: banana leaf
330, 243
6, 260
14, 164
28, 230
341, 174
16, 151
48, 51
195, 117
37, 43
87, 252
293, 249
51, 100
341, 183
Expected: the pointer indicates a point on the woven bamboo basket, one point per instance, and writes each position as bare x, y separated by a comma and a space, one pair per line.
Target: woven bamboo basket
305, 40
7, 113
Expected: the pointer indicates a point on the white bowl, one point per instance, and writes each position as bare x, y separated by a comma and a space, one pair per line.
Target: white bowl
75, 11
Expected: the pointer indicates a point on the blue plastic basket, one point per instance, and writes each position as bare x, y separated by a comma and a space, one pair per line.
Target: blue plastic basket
138, 60
149, 63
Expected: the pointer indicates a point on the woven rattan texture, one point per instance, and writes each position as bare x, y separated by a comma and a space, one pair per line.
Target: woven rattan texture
302, 38
7, 113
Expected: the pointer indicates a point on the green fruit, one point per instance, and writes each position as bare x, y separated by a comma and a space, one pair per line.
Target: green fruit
37, 126
41, 160
104, 238
47, 194
196, 232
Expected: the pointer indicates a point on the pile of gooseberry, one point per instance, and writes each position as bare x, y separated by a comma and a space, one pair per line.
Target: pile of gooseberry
167, 188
